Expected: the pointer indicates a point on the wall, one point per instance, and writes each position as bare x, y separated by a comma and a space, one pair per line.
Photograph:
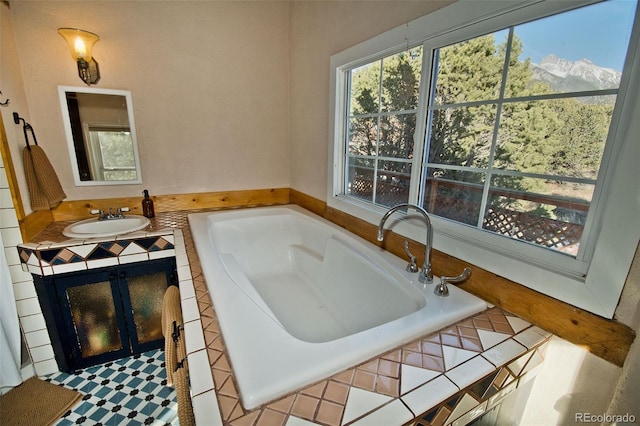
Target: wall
12, 88
209, 82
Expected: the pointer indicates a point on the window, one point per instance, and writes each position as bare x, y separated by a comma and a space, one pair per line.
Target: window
514, 147
504, 133
383, 104
112, 157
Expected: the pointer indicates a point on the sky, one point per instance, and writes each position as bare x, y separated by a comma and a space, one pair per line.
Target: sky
602, 36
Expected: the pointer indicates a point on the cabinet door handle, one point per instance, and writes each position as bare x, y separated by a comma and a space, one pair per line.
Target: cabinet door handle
112, 277
123, 275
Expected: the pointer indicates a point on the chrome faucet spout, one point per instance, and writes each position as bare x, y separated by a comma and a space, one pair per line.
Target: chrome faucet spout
426, 276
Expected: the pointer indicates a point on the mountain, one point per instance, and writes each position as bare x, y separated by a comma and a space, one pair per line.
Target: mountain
564, 75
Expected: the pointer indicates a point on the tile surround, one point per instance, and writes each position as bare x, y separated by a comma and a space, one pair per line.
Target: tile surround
446, 377
47, 258
32, 323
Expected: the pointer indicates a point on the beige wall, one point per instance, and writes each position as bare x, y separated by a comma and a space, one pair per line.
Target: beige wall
13, 89
209, 82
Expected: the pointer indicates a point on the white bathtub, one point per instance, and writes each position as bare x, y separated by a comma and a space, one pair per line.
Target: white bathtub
299, 299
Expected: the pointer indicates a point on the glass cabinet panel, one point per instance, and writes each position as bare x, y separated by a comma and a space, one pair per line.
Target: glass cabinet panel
104, 314
146, 293
94, 318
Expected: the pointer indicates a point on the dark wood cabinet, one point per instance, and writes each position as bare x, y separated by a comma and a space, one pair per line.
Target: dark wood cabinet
104, 314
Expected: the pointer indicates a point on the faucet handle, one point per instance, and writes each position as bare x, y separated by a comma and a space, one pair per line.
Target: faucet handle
442, 290
101, 214
412, 266
119, 212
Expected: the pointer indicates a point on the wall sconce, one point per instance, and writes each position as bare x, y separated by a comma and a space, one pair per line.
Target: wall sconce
81, 44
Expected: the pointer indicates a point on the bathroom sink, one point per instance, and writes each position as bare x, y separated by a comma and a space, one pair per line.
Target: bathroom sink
92, 228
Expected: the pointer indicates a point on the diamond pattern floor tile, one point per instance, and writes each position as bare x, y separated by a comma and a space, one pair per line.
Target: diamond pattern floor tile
128, 391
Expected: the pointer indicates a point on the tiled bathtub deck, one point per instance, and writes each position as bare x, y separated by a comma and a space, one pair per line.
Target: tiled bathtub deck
448, 377
474, 362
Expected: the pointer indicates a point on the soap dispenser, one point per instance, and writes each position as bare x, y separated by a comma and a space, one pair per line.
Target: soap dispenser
147, 205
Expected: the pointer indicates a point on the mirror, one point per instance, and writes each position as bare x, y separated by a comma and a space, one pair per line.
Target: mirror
101, 135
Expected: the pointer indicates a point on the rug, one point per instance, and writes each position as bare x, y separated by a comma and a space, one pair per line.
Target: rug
36, 403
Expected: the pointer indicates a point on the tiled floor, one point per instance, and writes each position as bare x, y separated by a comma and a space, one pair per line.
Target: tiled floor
129, 391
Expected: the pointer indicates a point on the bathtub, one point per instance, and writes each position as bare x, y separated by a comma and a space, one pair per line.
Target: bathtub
299, 299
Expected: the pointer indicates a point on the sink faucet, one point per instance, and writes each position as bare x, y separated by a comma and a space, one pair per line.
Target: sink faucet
426, 276
102, 215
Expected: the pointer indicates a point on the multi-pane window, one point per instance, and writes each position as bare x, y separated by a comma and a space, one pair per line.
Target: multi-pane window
382, 109
514, 134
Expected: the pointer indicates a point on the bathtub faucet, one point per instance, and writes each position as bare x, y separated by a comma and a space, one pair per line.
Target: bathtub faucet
426, 276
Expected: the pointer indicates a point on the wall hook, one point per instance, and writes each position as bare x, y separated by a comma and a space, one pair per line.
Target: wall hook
17, 118
25, 127
4, 103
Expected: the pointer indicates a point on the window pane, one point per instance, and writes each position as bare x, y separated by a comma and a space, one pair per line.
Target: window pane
365, 89
396, 139
560, 137
550, 214
401, 80
454, 194
360, 179
462, 136
116, 151
120, 175
470, 70
572, 51
393, 183
363, 136
582, 136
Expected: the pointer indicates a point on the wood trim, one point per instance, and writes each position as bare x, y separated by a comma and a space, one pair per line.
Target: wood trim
35, 223
80, 209
605, 338
308, 202
224, 199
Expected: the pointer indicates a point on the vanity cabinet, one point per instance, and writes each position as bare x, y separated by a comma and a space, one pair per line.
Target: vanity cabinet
104, 314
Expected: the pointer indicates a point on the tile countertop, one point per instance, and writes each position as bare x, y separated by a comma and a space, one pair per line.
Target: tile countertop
447, 377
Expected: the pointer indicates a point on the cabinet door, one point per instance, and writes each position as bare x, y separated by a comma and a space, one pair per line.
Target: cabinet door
94, 316
142, 288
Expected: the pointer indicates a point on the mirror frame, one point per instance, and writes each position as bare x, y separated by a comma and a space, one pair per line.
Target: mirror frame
62, 92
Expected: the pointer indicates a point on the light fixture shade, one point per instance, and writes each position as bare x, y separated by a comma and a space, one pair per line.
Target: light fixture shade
80, 42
